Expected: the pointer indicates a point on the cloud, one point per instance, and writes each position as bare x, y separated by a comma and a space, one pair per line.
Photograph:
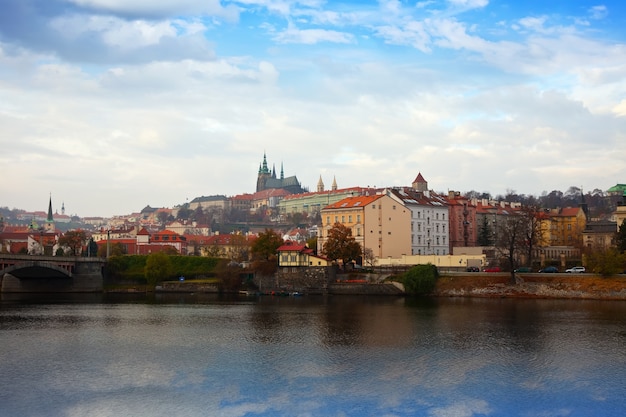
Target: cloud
598, 12
311, 36
159, 9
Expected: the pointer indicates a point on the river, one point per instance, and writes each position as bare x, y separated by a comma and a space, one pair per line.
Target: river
203, 355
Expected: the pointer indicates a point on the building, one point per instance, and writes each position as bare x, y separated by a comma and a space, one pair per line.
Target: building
219, 203
429, 220
599, 235
267, 179
312, 203
293, 254
377, 222
564, 227
463, 225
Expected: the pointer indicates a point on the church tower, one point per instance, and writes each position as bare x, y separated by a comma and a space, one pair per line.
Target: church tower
50, 219
264, 174
419, 183
320, 185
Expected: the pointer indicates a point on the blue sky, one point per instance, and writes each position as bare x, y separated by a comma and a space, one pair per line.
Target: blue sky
112, 105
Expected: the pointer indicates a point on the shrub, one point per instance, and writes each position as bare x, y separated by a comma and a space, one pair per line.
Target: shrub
420, 280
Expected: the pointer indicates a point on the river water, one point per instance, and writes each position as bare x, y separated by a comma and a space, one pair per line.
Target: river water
192, 355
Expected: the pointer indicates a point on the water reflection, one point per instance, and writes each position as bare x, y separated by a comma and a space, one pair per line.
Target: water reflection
198, 355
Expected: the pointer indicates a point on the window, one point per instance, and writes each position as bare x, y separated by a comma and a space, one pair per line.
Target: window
328, 220
343, 219
373, 206
350, 218
358, 218
336, 219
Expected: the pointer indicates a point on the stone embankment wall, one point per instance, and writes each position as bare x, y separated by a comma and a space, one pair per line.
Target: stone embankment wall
304, 280
583, 286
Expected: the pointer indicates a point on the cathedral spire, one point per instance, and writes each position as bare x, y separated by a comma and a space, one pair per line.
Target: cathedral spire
50, 217
265, 169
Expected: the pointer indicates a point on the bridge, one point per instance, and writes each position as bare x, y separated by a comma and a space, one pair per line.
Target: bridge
30, 273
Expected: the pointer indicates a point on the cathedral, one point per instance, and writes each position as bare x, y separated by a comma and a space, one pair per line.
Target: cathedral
267, 179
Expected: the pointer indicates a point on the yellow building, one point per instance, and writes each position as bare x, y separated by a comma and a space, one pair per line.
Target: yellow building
378, 222
293, 254
563, 227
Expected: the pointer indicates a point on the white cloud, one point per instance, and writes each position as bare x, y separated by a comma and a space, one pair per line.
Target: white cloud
312, 36
598, 12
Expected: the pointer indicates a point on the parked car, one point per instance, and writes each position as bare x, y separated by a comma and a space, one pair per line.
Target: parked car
493, 269
473, 269
576, 270
524, 269
549, 269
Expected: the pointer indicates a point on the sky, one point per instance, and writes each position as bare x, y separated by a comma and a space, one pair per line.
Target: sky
108, 106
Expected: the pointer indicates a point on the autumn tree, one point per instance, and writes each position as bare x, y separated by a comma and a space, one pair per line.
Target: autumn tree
340, 244
74, 240
263, 250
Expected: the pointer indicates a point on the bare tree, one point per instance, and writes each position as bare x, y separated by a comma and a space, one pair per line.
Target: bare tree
510, 239
532, 232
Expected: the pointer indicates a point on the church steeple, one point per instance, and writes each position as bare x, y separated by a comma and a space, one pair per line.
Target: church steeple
320, 185
50, 219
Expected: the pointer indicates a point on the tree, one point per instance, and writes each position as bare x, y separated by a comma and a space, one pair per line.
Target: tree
369, 258
620, 239
115, 249
484, 233
420, 279
158, 267
74, 239
340, 244
532, 231
264, 250
606, 262
510, 239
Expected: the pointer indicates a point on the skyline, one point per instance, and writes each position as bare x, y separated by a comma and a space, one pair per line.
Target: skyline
112, 105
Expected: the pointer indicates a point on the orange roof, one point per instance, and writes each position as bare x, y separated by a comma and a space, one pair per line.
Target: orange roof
352, 202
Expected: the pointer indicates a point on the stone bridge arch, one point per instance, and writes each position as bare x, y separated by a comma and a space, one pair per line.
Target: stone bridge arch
36, 269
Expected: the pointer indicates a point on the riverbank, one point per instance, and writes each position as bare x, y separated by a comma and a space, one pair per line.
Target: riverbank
493, 285
567, 286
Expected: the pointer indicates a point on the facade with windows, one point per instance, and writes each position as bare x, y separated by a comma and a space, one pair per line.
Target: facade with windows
377, 222
429, 220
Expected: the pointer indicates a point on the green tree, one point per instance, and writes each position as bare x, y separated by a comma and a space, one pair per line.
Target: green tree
340, 244
484, 233
74, 240
264, 252
620, 239
420, 279
606, 262
312, 243
158, 268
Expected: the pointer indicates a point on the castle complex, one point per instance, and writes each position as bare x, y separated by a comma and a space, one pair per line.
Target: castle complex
267, 179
